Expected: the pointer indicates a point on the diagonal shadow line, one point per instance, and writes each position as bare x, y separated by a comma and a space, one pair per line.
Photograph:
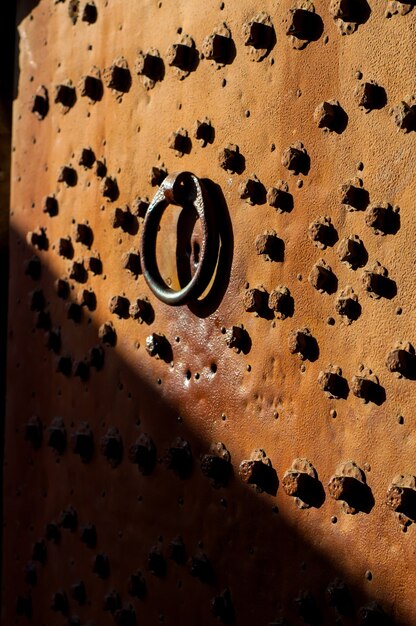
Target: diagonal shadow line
261, 547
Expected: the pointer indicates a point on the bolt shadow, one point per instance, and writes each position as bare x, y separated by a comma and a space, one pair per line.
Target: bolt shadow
360, 497
314, 495
312, 349
93, 88
266, 39
121, 80
239, 164
340, 121
314, 27
230, 51
354, 310
264, 478
259, 193
384, 287
305, 25
360, 11
376, 393
379, 99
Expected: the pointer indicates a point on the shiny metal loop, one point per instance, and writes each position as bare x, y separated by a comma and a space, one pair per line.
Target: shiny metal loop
181, 189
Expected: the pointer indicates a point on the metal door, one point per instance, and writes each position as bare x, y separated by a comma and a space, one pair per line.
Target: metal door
247, 456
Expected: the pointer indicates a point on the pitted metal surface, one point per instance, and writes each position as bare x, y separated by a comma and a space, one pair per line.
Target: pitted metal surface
248, 457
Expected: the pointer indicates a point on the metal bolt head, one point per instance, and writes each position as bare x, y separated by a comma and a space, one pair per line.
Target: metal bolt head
50, 205
89, 13
300, 342
235, 338
68, 175
295, 159
131, 262
201, 567
112, 601
333, 383
83, 442
78, 592
38, 239
299, 23
107, 334
269, 246
53, 532
143, 454
94, 265
83, 234
179, 457
141, 310
280, 198
112, 447
101, 565
88, 535
119, 305
65, 247
62, 288
216, 468
118, 76
179, 141
64, 365
37, 300
157, 175
156, 562
352, 252
39, 551
149, 65
91, 87
230, 158
74, 312
96, 357
251, 190
65, 94
400, 361
156, 345
69, 519
327, 115
281, 302
81, 369
40, 103
177, 550
322, 278
370, 96
109, 188
33, 268
222, 607
255, 300
137, 585
257, 34
86, 158
57, 435
34, 431
404, 116
180, 56
139, 206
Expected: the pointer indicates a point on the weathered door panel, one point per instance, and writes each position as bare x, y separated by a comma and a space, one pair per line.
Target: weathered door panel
278, 559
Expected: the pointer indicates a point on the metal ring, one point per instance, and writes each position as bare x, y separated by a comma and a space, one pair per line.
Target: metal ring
182, 188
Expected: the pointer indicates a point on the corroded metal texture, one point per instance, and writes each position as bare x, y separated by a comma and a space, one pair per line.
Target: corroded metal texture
248, 457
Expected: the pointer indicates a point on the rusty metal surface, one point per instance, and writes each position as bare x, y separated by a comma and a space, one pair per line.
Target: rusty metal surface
250, 457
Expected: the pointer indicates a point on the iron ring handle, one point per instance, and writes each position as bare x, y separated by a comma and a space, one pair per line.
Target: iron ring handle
182, 188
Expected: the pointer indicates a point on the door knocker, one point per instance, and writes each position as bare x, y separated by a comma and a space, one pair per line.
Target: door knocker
182, 189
